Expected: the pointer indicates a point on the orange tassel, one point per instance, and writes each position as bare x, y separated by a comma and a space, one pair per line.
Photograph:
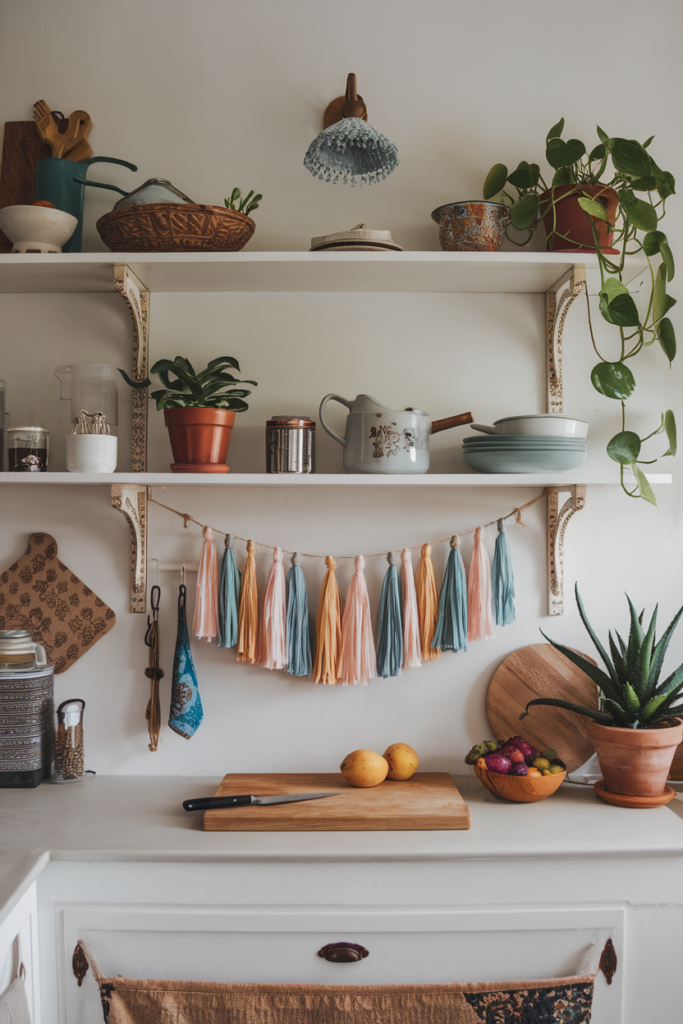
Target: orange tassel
357, 662
427, 603
328, 628
247, 620
205, 624
479, 625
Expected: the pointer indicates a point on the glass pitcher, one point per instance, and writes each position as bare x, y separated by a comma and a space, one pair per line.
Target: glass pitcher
91, 388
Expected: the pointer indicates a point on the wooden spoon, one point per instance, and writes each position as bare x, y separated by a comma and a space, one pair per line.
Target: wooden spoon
80, 124
60, 142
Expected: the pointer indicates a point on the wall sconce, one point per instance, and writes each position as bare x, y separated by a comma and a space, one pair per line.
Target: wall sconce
349, 149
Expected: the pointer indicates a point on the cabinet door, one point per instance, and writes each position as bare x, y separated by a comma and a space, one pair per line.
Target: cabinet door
19, 944
405, 946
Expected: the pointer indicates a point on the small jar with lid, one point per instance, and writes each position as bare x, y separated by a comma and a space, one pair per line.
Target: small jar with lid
290, 445
28, 449
68, 765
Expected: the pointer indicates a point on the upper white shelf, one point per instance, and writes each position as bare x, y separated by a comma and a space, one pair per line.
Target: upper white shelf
486, 272
326, 479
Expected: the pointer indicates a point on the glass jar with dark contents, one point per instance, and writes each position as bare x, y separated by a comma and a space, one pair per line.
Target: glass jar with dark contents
27, 449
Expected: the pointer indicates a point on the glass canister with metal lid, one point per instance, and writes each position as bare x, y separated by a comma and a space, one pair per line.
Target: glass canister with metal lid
26, 711
290, 444
68, 763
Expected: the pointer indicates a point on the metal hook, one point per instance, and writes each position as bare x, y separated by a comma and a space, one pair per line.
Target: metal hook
182, 574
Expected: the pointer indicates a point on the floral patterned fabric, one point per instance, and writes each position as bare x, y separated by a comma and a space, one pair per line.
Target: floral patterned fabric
186, 705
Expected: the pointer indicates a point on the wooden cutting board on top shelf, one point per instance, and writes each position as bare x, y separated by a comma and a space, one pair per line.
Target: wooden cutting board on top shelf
429, 801
542, 671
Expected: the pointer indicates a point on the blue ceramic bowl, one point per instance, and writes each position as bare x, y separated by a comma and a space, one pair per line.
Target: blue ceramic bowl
524, 461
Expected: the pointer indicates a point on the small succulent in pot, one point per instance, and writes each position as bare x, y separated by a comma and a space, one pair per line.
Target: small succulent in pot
211, 388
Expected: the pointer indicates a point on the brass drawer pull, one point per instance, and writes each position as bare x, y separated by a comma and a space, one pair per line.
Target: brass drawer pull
343, 952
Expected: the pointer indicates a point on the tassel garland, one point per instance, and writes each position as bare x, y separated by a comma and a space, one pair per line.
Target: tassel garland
427, 603
247, 619
328, 627
479, 626
228, 595
357, 662
273, 631
298, 639
502, 579
389, 625
451, 629
205, 623
412, 657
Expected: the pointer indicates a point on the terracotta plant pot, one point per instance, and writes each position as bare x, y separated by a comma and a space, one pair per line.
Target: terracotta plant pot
572, 223
199, 439
635, 762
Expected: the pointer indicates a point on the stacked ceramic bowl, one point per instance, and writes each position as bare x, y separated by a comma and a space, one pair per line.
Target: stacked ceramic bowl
528, 444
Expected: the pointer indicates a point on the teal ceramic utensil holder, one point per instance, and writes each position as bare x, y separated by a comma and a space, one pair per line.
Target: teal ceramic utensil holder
55, 183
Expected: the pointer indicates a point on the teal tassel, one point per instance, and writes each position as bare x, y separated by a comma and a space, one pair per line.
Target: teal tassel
229, 586
298, 636
389, 625
451, 628
502, 579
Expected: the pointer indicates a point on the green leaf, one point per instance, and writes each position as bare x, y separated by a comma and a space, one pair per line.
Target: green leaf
575, 150
666, 184
635, 640
631, 700
647, 143
670, 430
613, 380
524, 212
603, 136
667, 339
556, 153
652, 242
555, 131
643, 485
651, 707
647, 184
624, 447
224, 361
618, 660
593, 208
563, 176
185, 365
593, 635
598, 153
645, 657
659, 307
630, 158
613, 287
660, 652
668, 258
535, 172
521, 176
641, 214
600, 678
617, 306
597, 716
495, 181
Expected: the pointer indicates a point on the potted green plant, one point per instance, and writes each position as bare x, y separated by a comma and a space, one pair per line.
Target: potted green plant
199, 410
637, 729
582, 211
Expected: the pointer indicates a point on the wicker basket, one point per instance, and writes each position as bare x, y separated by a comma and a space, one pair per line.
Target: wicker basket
175, 227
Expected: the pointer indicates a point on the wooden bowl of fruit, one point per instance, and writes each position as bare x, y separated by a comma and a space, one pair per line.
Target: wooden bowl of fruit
517, 771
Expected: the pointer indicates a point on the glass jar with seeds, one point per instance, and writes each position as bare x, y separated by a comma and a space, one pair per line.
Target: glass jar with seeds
68, 758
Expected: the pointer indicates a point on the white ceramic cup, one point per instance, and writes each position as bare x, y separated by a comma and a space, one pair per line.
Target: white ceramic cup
91, 453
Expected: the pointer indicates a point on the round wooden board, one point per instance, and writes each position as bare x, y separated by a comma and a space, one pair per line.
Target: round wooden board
541, 671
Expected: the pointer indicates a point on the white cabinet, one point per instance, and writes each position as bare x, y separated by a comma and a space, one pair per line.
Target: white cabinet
19, 944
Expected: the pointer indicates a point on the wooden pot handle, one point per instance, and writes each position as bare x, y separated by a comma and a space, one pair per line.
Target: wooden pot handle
452, 421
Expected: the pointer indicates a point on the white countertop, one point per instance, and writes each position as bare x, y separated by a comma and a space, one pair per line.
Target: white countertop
125, 818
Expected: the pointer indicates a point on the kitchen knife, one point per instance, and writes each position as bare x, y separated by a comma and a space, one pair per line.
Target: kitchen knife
209, 803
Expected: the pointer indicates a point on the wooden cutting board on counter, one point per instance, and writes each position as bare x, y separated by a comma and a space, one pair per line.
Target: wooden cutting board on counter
430, 800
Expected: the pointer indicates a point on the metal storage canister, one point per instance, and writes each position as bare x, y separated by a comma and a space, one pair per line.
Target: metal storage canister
290, 445
26, 711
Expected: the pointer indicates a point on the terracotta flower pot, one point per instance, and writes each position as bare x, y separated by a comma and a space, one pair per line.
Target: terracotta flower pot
199, 439
572, 223
635, 762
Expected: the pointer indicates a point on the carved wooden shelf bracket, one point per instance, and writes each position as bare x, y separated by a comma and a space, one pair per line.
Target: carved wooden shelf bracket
557, 302
557, 525
131, 500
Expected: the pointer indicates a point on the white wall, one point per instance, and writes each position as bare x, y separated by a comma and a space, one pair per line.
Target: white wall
213, 94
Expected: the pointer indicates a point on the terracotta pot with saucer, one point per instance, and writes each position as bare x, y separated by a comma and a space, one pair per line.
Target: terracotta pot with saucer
573, 224
199, 439
635, 763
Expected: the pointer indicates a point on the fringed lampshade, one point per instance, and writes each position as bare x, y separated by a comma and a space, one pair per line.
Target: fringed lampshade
350, 149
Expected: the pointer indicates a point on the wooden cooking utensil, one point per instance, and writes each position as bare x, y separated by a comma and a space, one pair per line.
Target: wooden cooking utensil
48, 129
541, 671
80, 123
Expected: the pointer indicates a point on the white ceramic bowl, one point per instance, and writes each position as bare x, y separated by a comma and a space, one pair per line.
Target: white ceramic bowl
37, 228
91, 453
545, 424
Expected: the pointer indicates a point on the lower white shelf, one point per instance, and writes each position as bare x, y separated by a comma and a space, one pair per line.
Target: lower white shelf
324, 479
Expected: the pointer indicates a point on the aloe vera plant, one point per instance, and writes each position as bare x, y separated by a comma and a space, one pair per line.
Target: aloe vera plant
632, 696
212, 388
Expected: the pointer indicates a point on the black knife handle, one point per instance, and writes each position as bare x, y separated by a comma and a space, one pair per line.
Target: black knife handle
206, 803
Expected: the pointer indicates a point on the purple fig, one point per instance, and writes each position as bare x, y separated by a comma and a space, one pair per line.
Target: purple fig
527, 750
513, 753
518, 769
498, 763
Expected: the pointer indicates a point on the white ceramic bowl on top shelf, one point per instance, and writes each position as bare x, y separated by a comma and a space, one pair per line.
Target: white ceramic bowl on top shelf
37, 228
537, 424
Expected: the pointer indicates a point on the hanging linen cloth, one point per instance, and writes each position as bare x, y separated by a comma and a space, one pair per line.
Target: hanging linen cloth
186, 704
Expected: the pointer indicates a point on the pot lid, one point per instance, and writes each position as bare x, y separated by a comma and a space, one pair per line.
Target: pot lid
291, 421
359, 236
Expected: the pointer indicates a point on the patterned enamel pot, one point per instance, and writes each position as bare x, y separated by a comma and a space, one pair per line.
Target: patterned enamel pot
381, 440
475, 226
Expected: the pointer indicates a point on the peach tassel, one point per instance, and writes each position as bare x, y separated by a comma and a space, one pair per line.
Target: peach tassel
411, 622
247, 620
205, 623
427, 603
328, 628
479, 625
272, 633
357, 662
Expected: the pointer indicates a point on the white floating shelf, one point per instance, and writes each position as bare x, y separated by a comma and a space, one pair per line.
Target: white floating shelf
483, 272
322, 479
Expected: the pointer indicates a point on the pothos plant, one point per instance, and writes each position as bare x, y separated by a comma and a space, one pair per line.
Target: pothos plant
636, 231
212, 388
